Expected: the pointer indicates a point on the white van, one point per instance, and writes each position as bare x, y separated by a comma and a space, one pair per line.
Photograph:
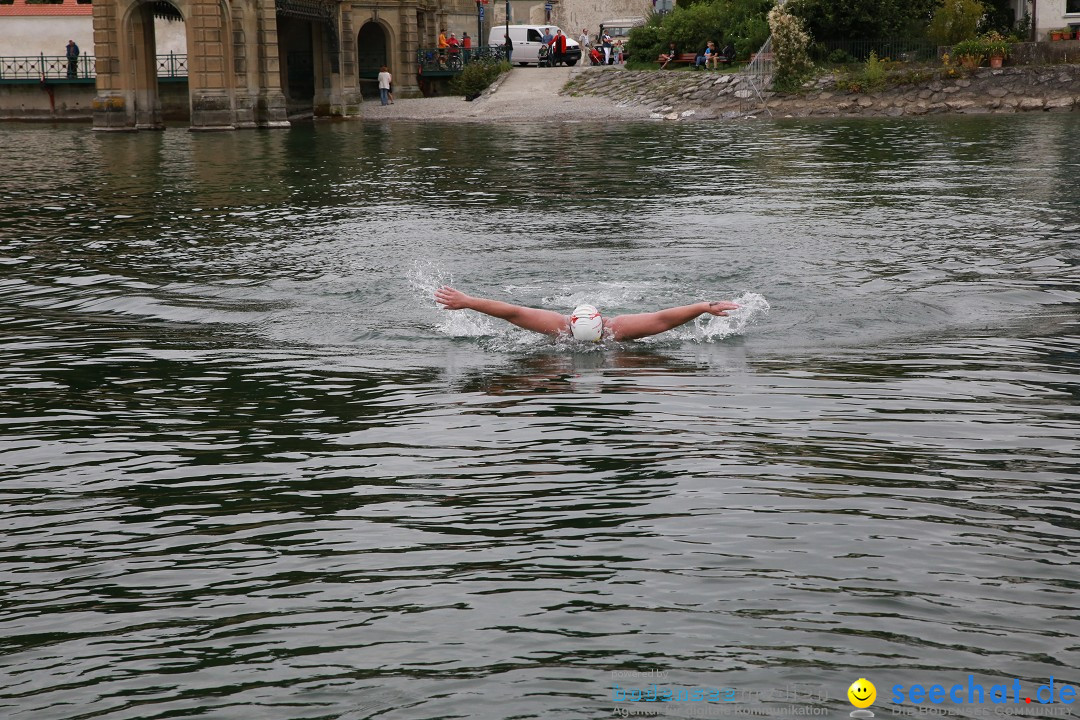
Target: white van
527, 40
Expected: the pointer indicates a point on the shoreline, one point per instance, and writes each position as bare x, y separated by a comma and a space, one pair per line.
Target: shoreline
615, 94
684, 95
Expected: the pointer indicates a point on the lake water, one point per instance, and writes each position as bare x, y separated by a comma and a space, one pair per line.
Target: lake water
248, 469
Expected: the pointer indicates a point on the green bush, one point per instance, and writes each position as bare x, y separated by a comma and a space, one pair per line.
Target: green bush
874, 72
477, 76
840, 57
790, 44
740, 22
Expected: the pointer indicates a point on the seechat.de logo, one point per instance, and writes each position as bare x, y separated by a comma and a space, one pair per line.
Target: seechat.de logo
862, 695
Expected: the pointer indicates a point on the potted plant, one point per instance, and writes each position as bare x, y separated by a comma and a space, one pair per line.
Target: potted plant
1060, 34
996, 46
970, 53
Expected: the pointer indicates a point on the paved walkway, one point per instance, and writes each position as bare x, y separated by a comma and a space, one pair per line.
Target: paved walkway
525, 94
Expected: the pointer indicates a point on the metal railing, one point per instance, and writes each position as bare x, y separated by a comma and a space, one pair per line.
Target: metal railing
432, 60
57, 67
172, 66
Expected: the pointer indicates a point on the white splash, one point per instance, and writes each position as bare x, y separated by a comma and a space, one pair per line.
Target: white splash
426, 277
709, 328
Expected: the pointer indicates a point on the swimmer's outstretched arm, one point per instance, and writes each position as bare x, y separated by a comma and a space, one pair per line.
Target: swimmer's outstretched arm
631, 327
548, 322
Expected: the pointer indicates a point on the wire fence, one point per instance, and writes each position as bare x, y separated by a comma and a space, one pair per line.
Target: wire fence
852, 51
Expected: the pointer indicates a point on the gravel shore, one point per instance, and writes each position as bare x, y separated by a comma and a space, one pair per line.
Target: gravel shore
525, 94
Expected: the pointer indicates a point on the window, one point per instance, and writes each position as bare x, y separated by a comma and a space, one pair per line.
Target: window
534, 36
1072, 6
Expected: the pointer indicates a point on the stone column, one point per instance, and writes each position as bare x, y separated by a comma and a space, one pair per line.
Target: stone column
112, 107
344, 98
408, 42
147, 104
270, 110
243, 22
209, 71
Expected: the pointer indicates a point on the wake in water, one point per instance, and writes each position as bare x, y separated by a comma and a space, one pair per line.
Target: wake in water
425, 279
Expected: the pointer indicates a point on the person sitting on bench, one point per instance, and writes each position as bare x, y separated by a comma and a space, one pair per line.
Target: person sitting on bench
670, 55
706, 55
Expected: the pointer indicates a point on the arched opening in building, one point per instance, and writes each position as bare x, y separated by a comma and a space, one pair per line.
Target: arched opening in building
372, 52
296, 43
150, 68
171, 61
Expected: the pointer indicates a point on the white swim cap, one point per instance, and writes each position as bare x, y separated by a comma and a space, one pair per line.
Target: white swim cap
586, 323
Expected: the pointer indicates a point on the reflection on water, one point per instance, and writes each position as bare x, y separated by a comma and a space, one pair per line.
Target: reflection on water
248, 468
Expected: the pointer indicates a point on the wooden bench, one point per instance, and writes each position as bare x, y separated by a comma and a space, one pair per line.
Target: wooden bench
691, 59
681, 58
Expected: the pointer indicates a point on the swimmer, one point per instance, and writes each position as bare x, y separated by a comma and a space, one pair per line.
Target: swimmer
585, 323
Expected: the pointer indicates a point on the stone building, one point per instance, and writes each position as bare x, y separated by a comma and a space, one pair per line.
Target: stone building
256, 63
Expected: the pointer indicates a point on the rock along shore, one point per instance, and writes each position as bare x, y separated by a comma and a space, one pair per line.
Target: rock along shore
682, 95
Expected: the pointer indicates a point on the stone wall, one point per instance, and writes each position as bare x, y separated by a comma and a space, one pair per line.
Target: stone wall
702, 94
72, 101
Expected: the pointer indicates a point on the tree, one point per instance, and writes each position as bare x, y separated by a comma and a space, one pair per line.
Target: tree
740, 22
999, 16
863, 19
956, 20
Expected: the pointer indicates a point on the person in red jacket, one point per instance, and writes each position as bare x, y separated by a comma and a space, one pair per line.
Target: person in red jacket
558, 48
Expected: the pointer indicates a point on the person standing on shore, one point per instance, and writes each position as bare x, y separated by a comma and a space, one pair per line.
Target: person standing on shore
442, 45
454, 47
558, 48
509, 45
584, 42
466, 45
72, 59
605, 42
384, 85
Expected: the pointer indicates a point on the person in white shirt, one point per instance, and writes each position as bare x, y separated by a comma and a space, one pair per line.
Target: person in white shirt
384, 85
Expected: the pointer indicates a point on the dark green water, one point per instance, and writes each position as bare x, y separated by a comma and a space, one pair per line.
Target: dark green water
249, 470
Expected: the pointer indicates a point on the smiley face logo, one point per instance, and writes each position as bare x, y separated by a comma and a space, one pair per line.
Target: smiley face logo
862, 693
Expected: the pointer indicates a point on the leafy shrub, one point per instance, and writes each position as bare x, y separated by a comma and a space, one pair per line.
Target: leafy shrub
970, 53
790, 44
955, 20
996, 44
477, 76
874, 71
872, 76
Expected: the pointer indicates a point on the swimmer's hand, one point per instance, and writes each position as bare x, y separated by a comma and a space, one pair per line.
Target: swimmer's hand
452, 299
720, 307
